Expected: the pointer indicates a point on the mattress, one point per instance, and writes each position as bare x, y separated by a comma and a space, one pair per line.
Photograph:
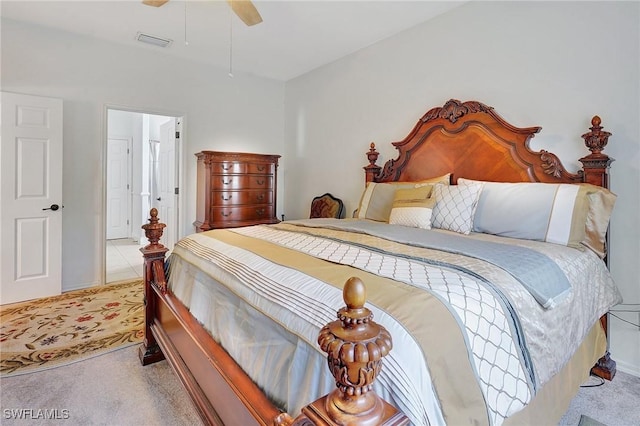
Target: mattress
470, 340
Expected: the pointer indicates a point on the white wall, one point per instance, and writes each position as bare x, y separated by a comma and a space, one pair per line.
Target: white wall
539, 63
553, 64
240, 114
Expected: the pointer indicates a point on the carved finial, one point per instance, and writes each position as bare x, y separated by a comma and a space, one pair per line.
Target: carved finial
372, 169
596, 164
355, 346
372, 155
154, 215
354, 293
596, 139
153, 230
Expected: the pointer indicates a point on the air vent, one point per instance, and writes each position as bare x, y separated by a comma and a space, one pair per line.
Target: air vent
155, 40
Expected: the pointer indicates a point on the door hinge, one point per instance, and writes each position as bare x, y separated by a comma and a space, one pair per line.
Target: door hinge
177, 191
127, 186
127, 221
127, 150
177, 135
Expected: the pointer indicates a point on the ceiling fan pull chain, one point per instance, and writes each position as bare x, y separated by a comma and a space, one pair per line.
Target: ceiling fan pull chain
186, 42
230, 43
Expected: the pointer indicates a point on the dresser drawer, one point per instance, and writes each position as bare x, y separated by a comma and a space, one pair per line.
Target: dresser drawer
234, 167
233, 182
233, 198
229, 167
242, 213
261, 168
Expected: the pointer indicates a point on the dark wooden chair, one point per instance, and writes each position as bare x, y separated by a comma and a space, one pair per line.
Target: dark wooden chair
326, 205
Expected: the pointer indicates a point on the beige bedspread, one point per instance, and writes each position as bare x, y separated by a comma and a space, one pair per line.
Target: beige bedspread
457, 353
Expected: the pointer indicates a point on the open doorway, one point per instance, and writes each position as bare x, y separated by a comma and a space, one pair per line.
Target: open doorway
142, 171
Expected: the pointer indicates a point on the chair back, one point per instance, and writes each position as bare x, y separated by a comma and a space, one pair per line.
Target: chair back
326, 205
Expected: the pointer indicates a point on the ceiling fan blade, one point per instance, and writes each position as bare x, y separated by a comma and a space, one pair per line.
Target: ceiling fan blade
245, 11
155, 3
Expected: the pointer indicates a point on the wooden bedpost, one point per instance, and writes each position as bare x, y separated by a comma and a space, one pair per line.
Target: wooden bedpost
372, 169
596, 165
596, 172
153, 275
355, 346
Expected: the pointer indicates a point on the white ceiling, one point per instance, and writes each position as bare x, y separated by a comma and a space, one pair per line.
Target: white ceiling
294, 38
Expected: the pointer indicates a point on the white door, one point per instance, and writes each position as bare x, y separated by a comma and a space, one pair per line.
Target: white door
166, 199
118, 188
31, 197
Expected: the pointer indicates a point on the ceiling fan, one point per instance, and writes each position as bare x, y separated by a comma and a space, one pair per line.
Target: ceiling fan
245, 9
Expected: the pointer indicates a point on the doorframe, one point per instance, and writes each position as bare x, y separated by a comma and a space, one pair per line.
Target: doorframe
103, 154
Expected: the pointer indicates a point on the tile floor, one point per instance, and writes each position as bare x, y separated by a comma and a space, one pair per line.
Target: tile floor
124, 260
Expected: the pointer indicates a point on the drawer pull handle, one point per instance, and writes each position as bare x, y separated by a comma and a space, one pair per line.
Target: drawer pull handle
260, 197
261, 168
260, 212
226, 214
226, 166
224, 182
226, 197
260, 181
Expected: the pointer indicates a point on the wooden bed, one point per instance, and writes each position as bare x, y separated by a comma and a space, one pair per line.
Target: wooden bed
467, 140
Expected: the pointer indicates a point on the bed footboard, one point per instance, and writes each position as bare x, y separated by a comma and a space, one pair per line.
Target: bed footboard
154, 277
220, 390
355, 346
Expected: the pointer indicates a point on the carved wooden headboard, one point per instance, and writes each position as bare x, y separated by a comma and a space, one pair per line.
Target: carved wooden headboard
470, 140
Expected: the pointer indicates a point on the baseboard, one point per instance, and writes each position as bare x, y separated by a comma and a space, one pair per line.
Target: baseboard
67, 287
627, 368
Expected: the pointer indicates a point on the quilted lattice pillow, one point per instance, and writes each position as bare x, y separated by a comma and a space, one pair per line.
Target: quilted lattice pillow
455, 207
413, 207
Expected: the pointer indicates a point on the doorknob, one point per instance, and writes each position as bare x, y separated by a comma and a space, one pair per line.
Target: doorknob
53, 207
159, 198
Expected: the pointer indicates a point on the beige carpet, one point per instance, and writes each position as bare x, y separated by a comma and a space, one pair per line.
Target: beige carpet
611, 403
113, 389
46, 333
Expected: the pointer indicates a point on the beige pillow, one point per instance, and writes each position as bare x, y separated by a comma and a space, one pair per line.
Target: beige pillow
413, 207
377, 198
601, 204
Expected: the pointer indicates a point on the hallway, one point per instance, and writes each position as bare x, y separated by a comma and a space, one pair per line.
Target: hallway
124, 260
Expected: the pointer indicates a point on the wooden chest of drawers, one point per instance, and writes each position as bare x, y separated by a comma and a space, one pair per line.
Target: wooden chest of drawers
235, 189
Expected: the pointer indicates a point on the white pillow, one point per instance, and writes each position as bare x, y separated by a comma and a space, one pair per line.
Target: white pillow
412, 207
455, 207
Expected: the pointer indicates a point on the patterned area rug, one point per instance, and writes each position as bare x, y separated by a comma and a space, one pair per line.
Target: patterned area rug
60, 330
